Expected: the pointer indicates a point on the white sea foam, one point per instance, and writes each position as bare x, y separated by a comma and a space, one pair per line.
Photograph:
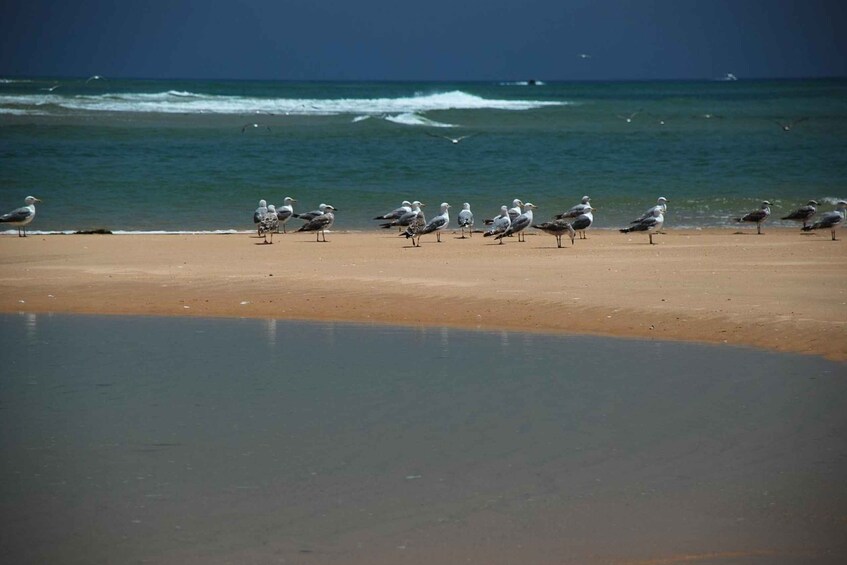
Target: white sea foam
182, 102
412, 119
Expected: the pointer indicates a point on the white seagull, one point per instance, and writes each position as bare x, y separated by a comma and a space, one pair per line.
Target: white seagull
515, 210
787, 126
465, 219
520, 223
757, 216
93, 77
404, 208
661, 206
830, 220
651, 225
285, 212
269, 224
454, 140
576, 211
254, 126
321, 223
582, 222
21, 217
406, 219
436, 224
309, 216
803, 213
628, 118
499, 224
260, 212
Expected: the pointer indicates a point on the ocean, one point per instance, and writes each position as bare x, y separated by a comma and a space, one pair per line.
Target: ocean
187, 440
183, 155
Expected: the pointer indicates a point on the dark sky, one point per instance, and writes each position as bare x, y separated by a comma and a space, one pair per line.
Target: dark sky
424, 39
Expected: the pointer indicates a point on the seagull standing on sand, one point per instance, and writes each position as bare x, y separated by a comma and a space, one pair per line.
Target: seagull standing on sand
465, 220
830, 220
285, 212
405, 208
499, 224
21, 217
661, 206
406, 219
520, 223
803, 213
577, 210
414, 229
757, 216
269, 224
260, 213
437, 224
321, 223
651, 225
309, 216
582, 222
515, 210
557, 228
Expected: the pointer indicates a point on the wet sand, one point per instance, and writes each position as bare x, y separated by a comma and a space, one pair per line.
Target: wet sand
782, 290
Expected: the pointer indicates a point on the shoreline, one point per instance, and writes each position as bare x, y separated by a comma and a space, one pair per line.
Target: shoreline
783, 291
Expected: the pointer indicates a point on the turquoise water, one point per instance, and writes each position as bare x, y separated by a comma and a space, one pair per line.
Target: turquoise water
171, 155
176, 440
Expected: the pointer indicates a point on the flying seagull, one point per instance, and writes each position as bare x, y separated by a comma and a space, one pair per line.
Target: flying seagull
786, 126
254, 126
21, 217
628, 118
451, 139
93, 77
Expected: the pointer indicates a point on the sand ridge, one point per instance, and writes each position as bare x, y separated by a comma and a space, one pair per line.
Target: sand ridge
782, 290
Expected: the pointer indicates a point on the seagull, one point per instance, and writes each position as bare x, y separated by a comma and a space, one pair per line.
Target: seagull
254, 126
786, 126
515, 210
21, 217
416, 225
436, 224
557, 228
406, 219
520, 223
321, 223
285, 212
803, 213
269, 224
309, 216
577, 210
583, 222
465, 219
830, 220
757, 216
405, 208
454, 140
628, 119
52, 88
661, 205
499, 224
651, 225
584, 56
93, 77
260, 212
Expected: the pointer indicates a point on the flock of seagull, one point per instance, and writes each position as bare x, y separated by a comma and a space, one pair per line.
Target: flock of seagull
411, 222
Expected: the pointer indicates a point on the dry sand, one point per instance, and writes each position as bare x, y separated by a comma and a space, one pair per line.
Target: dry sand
782, 290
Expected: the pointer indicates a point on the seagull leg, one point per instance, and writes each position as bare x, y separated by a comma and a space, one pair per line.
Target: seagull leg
833, 235
559, 241
759, 228
651, 238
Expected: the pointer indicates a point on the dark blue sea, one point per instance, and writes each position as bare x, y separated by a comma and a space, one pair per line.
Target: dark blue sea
153, 155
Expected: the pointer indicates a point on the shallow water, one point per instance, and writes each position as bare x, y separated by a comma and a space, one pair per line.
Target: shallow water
133, 439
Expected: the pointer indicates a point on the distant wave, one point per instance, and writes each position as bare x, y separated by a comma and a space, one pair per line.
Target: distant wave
181, 102
412, 119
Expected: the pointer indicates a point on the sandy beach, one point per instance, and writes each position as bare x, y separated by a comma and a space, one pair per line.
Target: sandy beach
783, 290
